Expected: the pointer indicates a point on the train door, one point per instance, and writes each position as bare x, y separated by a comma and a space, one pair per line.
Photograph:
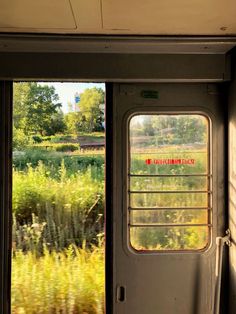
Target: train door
168, 196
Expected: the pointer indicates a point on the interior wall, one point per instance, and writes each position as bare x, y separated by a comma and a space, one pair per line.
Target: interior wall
115, 67
232, 189
115, 59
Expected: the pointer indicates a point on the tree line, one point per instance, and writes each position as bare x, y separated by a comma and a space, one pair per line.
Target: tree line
37, 110
170, 129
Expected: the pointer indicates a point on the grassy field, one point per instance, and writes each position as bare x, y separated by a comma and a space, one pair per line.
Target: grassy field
66, 208
58, 231
70, 282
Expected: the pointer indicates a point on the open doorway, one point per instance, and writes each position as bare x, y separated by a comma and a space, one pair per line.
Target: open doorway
58, 198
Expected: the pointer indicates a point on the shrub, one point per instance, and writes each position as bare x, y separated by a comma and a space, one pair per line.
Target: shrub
20, 140
37, 139
52, 161
71, 207
62, 138
46, 138
67, 148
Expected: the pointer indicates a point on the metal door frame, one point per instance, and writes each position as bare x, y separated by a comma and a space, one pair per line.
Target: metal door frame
122, 172
5, 194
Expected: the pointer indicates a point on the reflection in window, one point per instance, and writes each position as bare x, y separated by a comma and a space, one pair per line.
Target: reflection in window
169, 182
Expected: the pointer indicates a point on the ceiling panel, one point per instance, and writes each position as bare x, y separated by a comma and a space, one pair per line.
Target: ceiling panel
170, 17
88, 14
31, 14
136, 17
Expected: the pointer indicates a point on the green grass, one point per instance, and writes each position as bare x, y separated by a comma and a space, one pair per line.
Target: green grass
91, 138
52, 160
58, 255
70, 282
81, 138
71, 207
59, 147
72, 138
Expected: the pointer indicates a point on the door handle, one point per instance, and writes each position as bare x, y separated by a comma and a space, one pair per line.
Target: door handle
120, 293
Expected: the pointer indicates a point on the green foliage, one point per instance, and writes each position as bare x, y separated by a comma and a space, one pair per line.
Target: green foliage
57, 123
20, 140
71, 207
68, 282
46, 138
41, 106
67, 148
90, 117
94, 137
58, 206
75, 122
61, 138
170, 129
20, 97
155, 238
90, 101
37, 139
36, 110
52, 161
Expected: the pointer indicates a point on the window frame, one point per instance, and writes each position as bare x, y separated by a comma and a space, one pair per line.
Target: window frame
170, 111
6, 96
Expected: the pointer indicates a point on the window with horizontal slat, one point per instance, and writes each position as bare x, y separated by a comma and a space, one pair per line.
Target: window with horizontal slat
170, 182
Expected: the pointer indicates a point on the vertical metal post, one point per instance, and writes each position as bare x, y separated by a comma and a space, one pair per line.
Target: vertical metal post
5, 194
109, 200
220, 243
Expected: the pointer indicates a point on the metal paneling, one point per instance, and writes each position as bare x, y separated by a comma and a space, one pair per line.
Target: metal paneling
175, 282
232, 193
114, 67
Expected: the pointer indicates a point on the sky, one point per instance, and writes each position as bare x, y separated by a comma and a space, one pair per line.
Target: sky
66, 91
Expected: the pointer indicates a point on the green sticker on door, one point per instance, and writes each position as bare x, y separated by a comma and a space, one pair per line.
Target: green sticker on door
151, 94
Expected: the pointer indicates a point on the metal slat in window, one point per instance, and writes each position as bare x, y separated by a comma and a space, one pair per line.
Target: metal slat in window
170, 225
170, 175
172, 191
169, 182
169, 208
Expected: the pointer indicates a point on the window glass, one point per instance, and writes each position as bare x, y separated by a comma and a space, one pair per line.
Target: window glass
151, 217
169, 182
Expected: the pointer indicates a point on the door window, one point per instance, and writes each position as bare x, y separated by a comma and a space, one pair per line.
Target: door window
169, 182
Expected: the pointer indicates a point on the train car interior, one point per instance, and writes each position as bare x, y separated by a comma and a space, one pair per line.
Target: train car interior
170, 243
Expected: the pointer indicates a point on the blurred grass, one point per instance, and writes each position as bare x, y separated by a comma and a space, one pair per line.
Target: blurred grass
58, 254
70, 282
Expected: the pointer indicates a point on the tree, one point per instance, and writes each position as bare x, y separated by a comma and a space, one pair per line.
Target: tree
41, 106
73, 121
89, 105
20, 140
57, 124
20, 96
191, 129
147, 125
35, 110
